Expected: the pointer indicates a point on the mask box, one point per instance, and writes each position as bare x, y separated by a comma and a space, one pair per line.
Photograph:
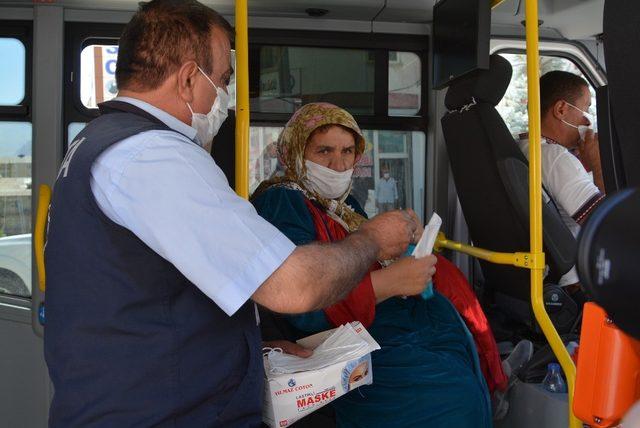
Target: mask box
291, 396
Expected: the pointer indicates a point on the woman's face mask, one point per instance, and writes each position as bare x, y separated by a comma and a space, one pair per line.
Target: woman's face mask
326, 182
208, 125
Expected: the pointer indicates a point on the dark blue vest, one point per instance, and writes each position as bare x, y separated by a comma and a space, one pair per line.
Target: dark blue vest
129, 341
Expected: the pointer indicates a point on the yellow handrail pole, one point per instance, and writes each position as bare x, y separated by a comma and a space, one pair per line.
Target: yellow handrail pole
44, 199
242, 99
535, 204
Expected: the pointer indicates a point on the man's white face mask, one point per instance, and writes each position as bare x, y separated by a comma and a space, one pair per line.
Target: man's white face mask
208, 125
326, 182
582, 129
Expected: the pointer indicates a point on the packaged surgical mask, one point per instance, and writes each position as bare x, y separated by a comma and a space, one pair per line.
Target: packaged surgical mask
425, 247
297, 389
326, 182
428, 238
208, 125
343, 344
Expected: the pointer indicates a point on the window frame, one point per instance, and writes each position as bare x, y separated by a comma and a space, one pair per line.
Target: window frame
573, 51
80, 35
380, 44
23, 31
577, 60
77, 37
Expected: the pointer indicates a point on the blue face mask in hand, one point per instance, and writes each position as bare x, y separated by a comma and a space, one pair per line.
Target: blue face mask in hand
427, 293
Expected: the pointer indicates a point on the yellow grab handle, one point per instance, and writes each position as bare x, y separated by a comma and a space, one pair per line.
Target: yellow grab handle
520, 259
44, 199
535, 204
242, 100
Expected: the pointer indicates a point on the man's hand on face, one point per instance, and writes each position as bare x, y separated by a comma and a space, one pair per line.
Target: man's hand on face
392, 232
589, 150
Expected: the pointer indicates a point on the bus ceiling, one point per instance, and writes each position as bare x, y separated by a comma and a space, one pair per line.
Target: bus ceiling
570, 19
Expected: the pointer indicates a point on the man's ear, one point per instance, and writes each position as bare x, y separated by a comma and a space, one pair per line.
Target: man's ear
186, 80
560, 109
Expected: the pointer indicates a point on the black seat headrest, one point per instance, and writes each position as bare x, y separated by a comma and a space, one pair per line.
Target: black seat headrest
608, 258
486, 86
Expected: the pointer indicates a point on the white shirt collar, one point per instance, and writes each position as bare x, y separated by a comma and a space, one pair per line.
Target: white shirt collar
169, 120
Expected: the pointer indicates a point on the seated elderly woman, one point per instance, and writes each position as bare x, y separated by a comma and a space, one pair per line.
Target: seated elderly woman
427, 372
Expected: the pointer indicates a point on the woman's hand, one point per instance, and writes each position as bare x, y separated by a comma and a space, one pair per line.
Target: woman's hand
406, 277
288, 348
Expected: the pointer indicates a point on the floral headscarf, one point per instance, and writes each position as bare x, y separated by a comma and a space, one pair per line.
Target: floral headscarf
291, 147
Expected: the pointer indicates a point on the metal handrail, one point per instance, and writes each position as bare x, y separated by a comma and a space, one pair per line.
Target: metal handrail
242, 100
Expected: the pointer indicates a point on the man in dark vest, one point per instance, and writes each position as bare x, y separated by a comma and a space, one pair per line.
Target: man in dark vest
154, 264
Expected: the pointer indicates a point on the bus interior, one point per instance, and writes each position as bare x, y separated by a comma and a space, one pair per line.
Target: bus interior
381, 60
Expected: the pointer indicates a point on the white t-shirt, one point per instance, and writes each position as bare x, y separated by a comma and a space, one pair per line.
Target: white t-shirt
570, 186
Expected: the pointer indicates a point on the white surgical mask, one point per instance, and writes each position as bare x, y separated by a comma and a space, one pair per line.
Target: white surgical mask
386, 175
343, 344
208, 125
582, 129
326, 182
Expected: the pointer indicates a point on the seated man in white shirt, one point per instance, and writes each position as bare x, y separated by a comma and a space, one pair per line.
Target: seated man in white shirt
569, 150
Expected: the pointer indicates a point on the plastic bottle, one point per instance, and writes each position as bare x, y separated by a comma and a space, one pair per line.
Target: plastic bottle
553, 381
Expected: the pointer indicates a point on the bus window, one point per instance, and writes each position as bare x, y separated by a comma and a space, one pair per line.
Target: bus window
15, 171
263, 158
74, 129
12, 72
401, 153
98, 74
405, 83
290, 77
513, 106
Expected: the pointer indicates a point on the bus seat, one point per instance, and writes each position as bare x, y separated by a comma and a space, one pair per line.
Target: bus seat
491, 177
608, 375
620, 24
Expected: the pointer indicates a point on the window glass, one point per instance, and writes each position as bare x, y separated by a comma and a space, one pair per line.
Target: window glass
263, 158
98, 74
73, 129
290, 77
405, 83
12, 71
231, 88
15, 208
513, 106
401, 153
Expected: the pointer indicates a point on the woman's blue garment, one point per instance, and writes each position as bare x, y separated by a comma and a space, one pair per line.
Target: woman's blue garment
426, 374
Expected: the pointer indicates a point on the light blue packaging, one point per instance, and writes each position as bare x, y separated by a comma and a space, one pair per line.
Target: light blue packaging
427, 293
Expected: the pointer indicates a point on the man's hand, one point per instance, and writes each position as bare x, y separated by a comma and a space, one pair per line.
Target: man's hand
392, 232
589, 153
289, 348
